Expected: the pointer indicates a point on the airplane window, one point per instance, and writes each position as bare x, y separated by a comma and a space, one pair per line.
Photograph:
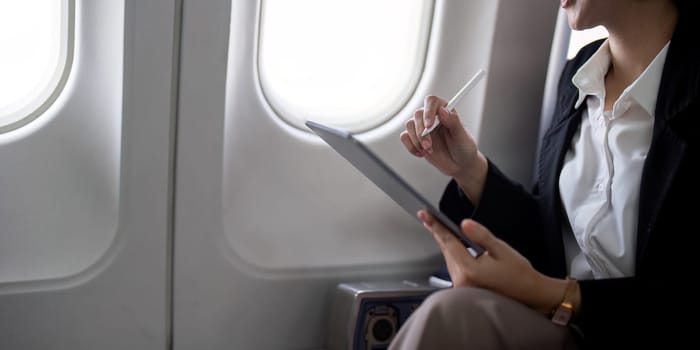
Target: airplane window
579, 39
350, 63
34, 36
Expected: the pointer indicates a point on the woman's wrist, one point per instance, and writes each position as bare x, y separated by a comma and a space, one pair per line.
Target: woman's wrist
552, 292
473, 180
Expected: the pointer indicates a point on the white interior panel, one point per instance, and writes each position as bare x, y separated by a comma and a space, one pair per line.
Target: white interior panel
520, 52
60, 177
85, 191
283, 188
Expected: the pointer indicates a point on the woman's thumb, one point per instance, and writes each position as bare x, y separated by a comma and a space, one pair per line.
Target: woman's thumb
451, 121
480, 235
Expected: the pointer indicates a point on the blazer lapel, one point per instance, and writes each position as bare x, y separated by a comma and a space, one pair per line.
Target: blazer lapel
664, 157
554, 147
672, 123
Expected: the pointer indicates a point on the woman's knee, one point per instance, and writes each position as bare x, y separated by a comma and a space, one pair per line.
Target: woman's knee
459, 300
450, 318
467, 307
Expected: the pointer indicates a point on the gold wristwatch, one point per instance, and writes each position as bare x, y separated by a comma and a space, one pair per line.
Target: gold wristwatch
563, 314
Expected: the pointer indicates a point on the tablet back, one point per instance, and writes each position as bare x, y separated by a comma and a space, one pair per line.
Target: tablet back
385, 178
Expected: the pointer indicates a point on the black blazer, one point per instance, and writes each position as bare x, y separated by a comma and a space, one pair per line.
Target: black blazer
650, 304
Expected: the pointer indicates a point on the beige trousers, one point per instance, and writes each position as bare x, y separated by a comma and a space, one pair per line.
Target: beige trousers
474, 318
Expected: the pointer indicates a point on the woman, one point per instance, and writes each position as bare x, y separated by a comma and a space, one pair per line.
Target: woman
599, 252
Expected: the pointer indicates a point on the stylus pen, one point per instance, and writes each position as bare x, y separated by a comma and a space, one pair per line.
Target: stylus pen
453, 102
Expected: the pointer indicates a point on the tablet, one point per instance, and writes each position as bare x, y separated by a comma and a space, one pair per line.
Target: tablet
385, 178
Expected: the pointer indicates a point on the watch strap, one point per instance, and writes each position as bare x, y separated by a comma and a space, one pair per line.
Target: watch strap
564, 312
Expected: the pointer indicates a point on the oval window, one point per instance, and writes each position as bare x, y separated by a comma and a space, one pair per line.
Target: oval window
349, 63
581, 38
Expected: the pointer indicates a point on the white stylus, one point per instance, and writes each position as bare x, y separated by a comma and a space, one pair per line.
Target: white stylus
453, 102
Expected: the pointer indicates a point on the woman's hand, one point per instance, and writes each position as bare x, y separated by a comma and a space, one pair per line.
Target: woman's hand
450, 148
501, 268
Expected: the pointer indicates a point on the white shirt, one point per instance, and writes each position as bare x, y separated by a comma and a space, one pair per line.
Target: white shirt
599, 182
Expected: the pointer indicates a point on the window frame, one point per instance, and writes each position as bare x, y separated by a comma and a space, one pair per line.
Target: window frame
57, 81
296, 123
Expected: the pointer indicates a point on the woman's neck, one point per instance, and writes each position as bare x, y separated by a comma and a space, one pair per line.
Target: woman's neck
635, 42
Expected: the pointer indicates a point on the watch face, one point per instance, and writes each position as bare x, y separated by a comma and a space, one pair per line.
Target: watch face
562, 316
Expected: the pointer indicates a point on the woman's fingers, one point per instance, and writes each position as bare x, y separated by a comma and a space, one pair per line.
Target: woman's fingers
431, 105
408, 144
450, 246
410, 139
482, 236
460, 263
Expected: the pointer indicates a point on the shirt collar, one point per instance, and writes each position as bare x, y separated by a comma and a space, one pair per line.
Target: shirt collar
590, 78
646, 88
